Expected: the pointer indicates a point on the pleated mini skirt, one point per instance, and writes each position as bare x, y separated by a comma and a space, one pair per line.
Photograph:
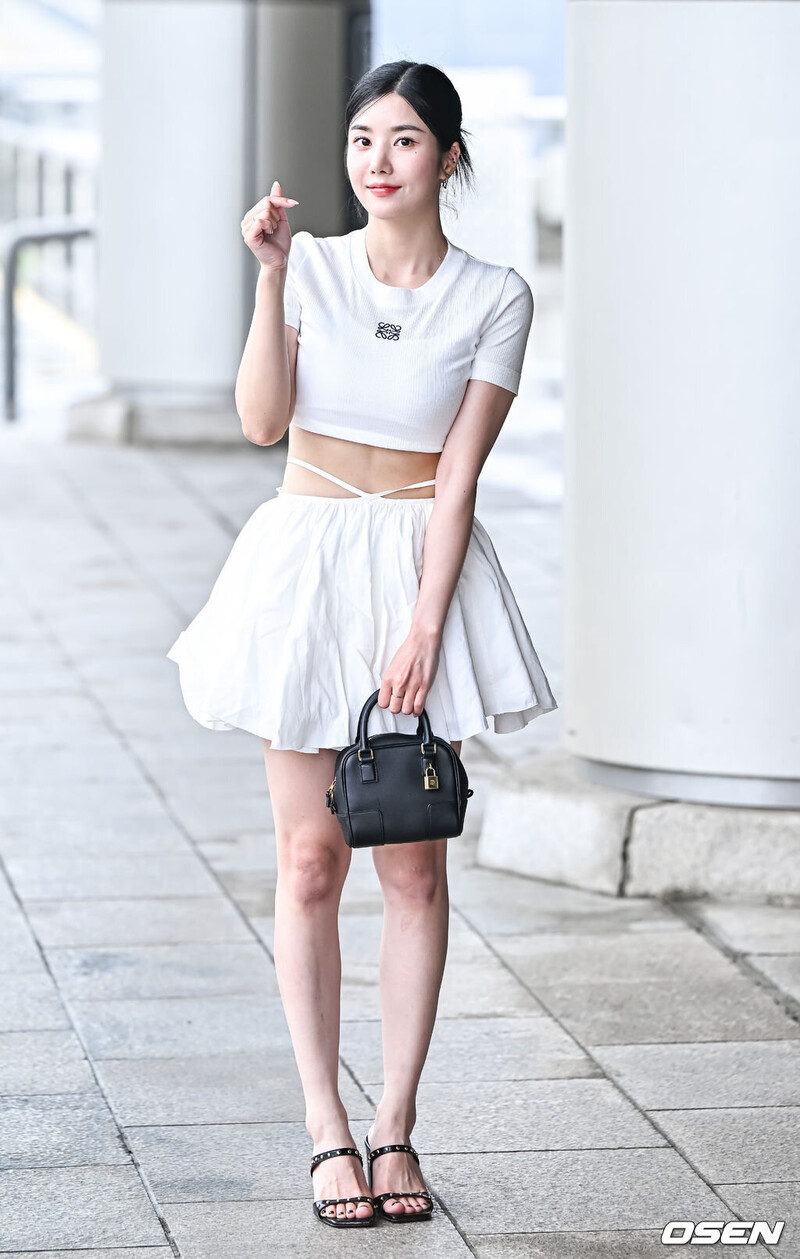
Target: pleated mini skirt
313, 601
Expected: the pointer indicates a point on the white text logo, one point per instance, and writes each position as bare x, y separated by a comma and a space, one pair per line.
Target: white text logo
708, 1232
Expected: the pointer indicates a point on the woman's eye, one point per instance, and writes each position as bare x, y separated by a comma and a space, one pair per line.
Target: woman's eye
358, 140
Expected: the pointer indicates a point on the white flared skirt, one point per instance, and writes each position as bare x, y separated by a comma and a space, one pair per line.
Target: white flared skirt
314, 599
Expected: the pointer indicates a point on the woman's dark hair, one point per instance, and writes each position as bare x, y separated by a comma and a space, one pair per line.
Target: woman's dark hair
431, 95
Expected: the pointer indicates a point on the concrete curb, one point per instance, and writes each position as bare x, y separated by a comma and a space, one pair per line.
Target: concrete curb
549, 823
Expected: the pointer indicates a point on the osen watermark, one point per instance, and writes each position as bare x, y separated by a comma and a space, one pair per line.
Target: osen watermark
709, 1232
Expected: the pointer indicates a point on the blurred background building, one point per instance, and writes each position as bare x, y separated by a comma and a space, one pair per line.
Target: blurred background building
194, 108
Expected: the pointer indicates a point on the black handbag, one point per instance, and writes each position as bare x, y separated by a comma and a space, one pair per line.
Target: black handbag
397, 788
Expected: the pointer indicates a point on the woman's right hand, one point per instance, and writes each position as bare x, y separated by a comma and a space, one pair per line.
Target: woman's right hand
265, 229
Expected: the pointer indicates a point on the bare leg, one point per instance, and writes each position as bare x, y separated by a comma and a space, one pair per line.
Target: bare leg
413, 955
313, 860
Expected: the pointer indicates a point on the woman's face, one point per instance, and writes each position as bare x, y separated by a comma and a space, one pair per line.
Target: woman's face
388, 144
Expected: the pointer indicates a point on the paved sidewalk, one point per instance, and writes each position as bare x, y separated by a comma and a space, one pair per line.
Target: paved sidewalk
599, 1067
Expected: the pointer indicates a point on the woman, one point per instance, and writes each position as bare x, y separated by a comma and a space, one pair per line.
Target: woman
392, 358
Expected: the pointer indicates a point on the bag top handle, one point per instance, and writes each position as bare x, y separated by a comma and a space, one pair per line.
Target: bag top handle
423, 725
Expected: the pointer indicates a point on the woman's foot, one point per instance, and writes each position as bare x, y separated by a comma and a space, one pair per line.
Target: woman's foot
399, 1171
339, 1177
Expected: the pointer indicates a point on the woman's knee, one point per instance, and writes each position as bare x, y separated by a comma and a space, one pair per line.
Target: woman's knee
413, 872
313, 858
311, 870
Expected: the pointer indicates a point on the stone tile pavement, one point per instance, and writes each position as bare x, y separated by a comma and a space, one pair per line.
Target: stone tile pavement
599, 1067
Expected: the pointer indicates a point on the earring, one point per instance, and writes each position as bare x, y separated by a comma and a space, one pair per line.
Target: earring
444, 185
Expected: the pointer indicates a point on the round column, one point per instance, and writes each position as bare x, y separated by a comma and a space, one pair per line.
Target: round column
682, 390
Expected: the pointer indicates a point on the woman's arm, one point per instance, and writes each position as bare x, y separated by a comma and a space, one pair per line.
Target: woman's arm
467, 446
474, 431
265, 384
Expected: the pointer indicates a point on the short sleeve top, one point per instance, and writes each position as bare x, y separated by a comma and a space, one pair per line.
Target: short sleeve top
389, 366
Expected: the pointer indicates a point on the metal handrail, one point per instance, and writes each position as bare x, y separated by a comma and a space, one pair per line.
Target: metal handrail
14, 236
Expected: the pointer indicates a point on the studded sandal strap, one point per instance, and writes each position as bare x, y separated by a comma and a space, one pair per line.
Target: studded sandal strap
380, 1198
388, 1149
326, 1202
347, 1149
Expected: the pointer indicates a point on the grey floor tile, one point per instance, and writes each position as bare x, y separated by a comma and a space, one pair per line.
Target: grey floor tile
264, 927
752, 928
81, 836
362, 893
360, 935
505, 904
533, 1115
82, 801
75, 1207
69, 829
247, 850
164, 1028
40, 721
60, 1130
132, 622
469, 990
118, 1252
708, 1007
71, 878
681, 1077
227, 1162
164, 970
32, 1004
195, 742
212, 778
357, 900
209, 814
68, 767
632, 1244
478, 989
544, 959
179, 920
252, 890
202, 1231
215, 1088
43, 1062
18, 952
771, 1203
41, 675
561, 1190
782, 969
468, 1050
738, 1144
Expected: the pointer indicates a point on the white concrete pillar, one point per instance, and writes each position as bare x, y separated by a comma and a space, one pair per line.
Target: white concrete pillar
205, 102
682, 390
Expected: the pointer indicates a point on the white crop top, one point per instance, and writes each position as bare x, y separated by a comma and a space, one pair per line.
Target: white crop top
389, 366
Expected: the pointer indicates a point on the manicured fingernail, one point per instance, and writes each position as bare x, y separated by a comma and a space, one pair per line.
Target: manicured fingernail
292, 201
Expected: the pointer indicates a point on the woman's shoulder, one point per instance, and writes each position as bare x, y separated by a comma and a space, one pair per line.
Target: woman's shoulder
498, 275
323, 257
327, 246
488, 288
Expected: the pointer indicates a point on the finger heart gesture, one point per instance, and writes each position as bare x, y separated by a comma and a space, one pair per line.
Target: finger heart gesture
265, 228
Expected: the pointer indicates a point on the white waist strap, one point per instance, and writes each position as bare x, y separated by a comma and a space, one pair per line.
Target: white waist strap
354, 488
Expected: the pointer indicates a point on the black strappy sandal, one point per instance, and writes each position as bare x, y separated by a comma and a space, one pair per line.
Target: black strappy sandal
397, 1217
321, 1203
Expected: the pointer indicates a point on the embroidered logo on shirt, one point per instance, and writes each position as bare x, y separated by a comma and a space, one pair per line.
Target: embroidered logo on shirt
389, 331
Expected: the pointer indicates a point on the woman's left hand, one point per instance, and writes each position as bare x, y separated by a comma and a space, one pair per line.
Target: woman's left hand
409, 676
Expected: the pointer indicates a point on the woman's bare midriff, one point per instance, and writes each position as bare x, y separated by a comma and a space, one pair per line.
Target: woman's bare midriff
371, 468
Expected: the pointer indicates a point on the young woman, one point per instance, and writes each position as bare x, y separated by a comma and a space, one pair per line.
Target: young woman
392, 357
